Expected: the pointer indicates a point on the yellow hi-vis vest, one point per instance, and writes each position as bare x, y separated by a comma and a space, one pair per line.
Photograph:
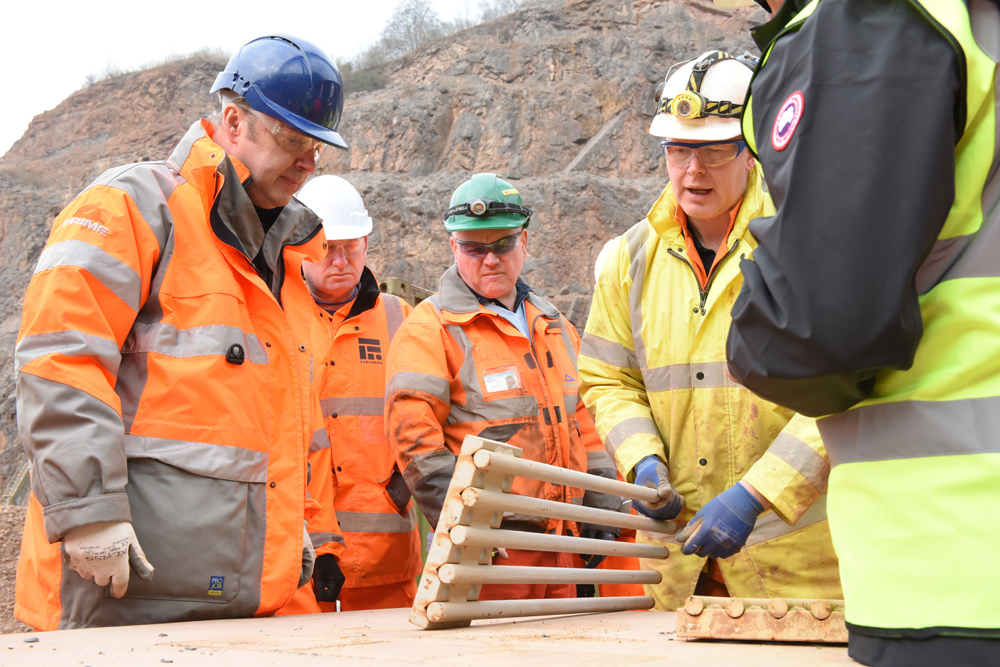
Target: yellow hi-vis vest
914, 497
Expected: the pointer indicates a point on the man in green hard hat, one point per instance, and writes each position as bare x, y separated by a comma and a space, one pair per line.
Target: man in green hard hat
485, 356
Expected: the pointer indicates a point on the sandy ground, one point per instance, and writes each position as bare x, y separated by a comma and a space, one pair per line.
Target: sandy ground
11, 523
384, 637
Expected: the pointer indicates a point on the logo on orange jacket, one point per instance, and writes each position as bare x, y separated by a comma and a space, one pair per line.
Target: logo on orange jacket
370, 350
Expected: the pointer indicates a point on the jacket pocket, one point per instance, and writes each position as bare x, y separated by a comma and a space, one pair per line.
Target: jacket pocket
197, 531
396, 492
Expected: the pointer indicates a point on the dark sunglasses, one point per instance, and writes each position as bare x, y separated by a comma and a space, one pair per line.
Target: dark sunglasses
499, 247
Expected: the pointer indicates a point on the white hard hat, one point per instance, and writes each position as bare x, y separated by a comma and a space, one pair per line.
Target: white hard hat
339, 205
734, 4
703, 98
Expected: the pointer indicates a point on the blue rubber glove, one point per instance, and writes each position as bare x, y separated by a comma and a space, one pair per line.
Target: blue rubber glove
721, 528
652, 472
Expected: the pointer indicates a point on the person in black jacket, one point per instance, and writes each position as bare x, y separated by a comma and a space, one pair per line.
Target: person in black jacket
873, 122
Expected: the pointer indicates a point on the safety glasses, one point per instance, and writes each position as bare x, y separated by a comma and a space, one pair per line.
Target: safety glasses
349, 246
710, 153
479, 250
289, 140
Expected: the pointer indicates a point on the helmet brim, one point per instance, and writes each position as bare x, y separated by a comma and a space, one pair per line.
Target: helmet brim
306, 127
344, 232
700, 129
461, 223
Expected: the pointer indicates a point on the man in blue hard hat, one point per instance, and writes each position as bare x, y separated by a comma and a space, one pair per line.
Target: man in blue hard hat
164, 368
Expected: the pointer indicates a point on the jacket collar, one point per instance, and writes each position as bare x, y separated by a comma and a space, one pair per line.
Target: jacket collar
368, 294
458, 298
663, 217
200, 160
765, 33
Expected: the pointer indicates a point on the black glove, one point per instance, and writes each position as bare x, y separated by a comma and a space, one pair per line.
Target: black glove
593, 561
327, 578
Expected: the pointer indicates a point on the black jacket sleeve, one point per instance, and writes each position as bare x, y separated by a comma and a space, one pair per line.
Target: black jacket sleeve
862, 189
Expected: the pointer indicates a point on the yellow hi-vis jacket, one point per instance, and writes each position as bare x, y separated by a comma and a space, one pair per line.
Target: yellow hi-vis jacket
652, 372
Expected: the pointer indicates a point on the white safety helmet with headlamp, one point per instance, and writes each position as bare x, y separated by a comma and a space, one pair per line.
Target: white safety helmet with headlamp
339, 205
703, 98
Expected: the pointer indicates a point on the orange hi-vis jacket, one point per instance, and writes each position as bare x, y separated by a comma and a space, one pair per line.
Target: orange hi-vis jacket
161, 381
458, 368
377, 517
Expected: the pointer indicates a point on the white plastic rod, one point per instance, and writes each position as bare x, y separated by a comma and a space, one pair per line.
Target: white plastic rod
468, 536
512, 574
507, 502
510, 465
443, 612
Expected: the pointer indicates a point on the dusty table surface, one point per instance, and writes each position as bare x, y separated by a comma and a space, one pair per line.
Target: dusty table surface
385, 637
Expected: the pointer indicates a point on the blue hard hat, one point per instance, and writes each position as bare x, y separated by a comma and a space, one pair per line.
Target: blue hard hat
289, 79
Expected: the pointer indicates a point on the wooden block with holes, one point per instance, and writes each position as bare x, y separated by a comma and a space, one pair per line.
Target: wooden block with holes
778, 619
458, 562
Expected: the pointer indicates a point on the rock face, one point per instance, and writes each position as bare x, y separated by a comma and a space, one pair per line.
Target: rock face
557, 98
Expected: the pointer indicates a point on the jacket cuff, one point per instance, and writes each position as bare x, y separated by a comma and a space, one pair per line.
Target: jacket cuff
63, 517
333, 545
789, 492
628, 455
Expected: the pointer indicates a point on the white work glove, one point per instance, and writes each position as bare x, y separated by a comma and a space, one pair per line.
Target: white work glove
308, 557
103, 552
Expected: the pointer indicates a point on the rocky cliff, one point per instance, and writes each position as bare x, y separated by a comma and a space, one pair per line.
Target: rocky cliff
557, 98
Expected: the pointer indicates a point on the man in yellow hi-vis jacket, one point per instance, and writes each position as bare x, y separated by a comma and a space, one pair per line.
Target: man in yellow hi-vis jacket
652, 369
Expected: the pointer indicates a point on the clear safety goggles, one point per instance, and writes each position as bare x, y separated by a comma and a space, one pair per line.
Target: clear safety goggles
710, 153
349, 246
288, 139
499, 247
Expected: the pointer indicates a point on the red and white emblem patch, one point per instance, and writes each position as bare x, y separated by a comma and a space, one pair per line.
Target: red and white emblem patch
787, 120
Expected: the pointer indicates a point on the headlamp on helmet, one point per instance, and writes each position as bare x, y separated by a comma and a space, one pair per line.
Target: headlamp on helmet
481, 207
692, 104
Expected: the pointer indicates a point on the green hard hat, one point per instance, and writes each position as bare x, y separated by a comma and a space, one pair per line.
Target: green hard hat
486, 201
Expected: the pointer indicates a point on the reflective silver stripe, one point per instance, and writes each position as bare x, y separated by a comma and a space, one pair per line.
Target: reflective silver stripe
201, 458
939, 260
213, 339
708, 375
353, 405
150, 186
769, 525
577, 500
637, 271
319, 539
427, 464
501, 408
70, 343
567, 342
393, 314
611, 353
407, 381
912, 430
625, 429
570, 403
803, 458
372, 522
133, 372
599, 461
320, 440
120, 278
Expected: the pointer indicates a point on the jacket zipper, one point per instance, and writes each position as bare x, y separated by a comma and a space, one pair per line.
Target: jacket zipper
703, 293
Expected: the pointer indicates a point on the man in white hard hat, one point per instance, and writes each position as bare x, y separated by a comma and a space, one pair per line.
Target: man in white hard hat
746, 477
378, 569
